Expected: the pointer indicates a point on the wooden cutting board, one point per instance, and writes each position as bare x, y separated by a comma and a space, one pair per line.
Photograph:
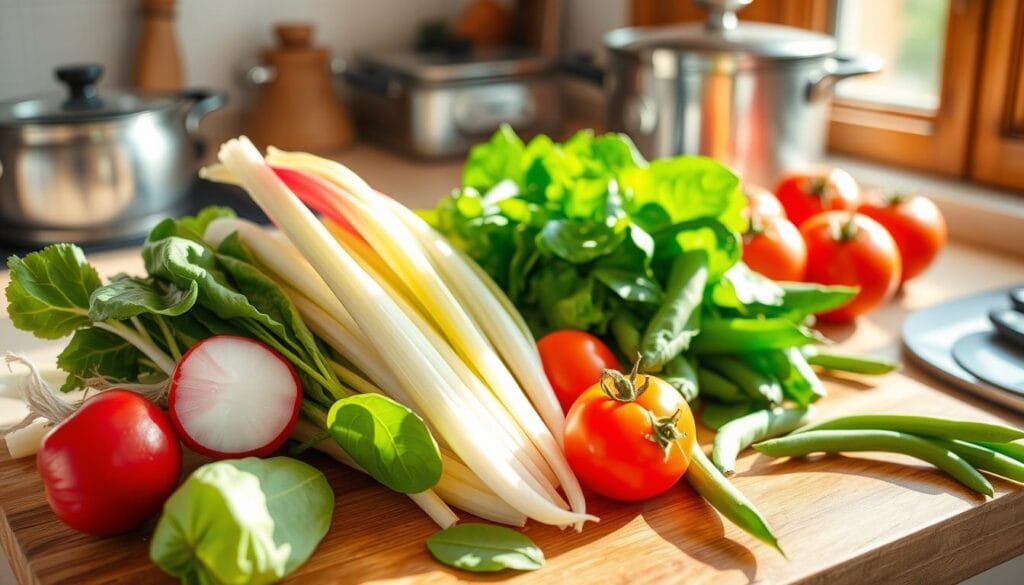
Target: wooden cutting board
841, 519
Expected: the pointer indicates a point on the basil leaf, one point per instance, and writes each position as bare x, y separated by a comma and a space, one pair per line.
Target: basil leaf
93, 352
126, 296
243, 521
485, 548
48, 294
389, 441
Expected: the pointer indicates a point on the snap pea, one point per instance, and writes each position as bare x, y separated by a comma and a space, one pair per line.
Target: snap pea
986, 459
848, 363
804, 443
730, 502
676, 322
735, 436
928, 426
681, 374
712, 385
758, 385
1011, 450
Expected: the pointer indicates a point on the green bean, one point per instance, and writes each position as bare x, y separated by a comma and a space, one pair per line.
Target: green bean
849, 363
758, 385
804, 443
626, 331
743, 432
717, 414
681, 374
730, 502
799, 382
1011, 450
928, 426
712, 385
677, 320
986, 459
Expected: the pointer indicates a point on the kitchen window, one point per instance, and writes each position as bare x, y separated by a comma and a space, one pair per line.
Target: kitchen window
951, 98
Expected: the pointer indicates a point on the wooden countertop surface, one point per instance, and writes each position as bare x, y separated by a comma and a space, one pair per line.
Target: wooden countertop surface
857, 519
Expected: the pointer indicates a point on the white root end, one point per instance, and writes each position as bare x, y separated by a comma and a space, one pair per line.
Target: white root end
25, 441
43, 401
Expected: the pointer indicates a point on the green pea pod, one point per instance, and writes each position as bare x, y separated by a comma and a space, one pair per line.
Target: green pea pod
626, 331
927, 426
848, 363
747, 335
730, 502
1011, 450
757, 385
986, 459
712, 385
681, 374
735, 436
848, 441
801, 385
676, 322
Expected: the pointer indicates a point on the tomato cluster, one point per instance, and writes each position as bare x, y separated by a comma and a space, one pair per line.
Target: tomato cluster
819, 227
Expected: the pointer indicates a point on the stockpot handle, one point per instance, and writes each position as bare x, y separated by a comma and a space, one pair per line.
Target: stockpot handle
203, 101
838, 68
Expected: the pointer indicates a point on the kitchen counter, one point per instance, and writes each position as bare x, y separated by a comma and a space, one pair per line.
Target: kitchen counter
856, 519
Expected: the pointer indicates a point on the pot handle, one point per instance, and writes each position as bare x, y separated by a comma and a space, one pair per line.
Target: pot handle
583, 66
839, 67
203, 101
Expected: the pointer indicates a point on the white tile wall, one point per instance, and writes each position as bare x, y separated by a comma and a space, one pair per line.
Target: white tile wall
215, 35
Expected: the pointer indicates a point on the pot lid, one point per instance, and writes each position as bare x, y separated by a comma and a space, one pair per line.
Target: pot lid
440, 66
723, 33
81, 103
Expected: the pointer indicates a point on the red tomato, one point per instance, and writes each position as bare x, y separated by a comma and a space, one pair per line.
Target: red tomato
631, 447
110, 466
808, 193
762, 203
776, 249
852, 249
914, 222
573, 361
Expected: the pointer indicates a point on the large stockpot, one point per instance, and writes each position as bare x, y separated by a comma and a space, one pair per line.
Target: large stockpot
89, 167
753, 95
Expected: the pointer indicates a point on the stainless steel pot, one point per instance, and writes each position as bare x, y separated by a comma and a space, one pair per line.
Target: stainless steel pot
752, 95
87, 167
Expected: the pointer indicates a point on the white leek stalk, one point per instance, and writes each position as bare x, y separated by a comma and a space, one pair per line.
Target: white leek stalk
424, 374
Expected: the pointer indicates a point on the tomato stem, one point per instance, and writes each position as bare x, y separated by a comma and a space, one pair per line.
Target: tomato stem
664, 431
623, 389
896, 197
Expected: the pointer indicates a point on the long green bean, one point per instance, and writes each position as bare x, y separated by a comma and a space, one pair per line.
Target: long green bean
735, 436
730, 502
760, 386
848, 363
1012, 450
922, 425
986, 459
712, 385
804, 443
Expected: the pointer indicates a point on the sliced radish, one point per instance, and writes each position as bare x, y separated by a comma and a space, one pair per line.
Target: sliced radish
234, 397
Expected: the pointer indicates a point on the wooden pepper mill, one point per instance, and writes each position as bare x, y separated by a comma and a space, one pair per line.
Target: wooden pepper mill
157, 59
296, 107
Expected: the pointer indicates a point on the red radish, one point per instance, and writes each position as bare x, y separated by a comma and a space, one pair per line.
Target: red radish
234, 397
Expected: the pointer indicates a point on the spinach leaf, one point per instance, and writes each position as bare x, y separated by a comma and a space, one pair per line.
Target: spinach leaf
127, 296
578, 241
94, 352
485, 548
740, 286
387, 440
807, 298
48, 294
243, 521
